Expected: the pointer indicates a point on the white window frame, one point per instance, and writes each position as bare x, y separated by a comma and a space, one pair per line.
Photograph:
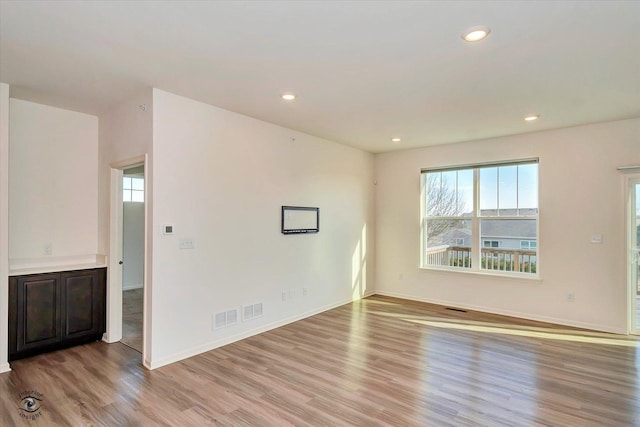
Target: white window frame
131, 190
476, 239
490, 243
528, 244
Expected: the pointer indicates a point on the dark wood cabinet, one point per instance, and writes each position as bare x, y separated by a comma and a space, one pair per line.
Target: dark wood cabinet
38, 302
55, 310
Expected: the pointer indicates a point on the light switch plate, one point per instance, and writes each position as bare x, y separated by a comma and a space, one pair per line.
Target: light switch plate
186, 243
596, 238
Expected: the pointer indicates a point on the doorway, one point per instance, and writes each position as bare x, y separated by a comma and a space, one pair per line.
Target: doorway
114, 330
633, 249
133, 226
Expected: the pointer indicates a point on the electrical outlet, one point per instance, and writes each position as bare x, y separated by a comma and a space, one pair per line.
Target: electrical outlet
570, 296
304, 292
284, 295
48, 248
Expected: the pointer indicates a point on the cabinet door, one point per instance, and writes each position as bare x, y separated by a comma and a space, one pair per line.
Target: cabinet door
83, 299
38, 311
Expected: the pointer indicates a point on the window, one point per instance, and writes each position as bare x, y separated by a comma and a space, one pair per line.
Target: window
494, 205
132, 189
528, 244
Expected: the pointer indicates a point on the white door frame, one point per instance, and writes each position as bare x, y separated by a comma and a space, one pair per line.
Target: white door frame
114, 285
631, 256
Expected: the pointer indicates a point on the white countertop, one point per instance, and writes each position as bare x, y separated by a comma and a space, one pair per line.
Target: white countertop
54, 269
20, 267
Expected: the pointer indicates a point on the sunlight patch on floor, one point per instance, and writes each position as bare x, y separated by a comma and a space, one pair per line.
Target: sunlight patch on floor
378, 302
532, 334
519, 330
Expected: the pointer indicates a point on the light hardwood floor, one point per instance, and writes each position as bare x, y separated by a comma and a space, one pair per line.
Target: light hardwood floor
380, 361
132, 318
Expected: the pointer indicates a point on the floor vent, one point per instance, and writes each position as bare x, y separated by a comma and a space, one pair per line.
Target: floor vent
456, 309
251, 311
225, 318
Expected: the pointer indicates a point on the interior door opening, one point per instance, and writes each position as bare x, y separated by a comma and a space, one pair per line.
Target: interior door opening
133, 225
633, 258
116, 259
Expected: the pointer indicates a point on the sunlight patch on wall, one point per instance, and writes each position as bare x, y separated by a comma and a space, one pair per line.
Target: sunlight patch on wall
359, 266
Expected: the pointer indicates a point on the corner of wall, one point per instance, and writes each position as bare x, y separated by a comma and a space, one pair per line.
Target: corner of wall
4, 227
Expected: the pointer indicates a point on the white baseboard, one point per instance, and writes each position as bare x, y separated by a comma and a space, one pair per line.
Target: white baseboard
492, 310
131, 287
153, 364
4, 367
105, 338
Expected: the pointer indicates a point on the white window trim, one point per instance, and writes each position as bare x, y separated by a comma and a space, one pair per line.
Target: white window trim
476, 244
485, 241
528, 244
132, 190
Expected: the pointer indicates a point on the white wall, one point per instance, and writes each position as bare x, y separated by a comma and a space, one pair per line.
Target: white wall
4, 226
125, 133
132, 245
221, 179
581, 194
53, 181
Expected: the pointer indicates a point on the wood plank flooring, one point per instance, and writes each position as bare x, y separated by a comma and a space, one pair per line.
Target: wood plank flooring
132, 301
379, 361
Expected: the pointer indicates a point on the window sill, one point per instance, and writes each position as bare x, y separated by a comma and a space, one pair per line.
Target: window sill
503, 275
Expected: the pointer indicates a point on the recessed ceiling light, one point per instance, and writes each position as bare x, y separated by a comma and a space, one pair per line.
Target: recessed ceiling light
532, 117
395, 140
475, 34
288, 97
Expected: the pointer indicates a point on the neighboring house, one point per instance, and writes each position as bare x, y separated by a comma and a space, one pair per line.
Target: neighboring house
509, 234
457, 237
498, 234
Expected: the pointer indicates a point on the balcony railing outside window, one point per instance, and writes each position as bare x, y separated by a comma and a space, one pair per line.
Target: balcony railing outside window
518, 260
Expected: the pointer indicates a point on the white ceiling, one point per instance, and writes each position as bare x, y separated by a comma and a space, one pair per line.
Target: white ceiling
363, 71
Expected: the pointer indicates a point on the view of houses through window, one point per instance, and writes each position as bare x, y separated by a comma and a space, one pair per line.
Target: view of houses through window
481, 217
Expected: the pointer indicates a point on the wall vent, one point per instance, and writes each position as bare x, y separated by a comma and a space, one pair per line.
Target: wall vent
251, 311
225, 318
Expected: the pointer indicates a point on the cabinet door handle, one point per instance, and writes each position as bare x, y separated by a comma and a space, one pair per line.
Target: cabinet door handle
120, 262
